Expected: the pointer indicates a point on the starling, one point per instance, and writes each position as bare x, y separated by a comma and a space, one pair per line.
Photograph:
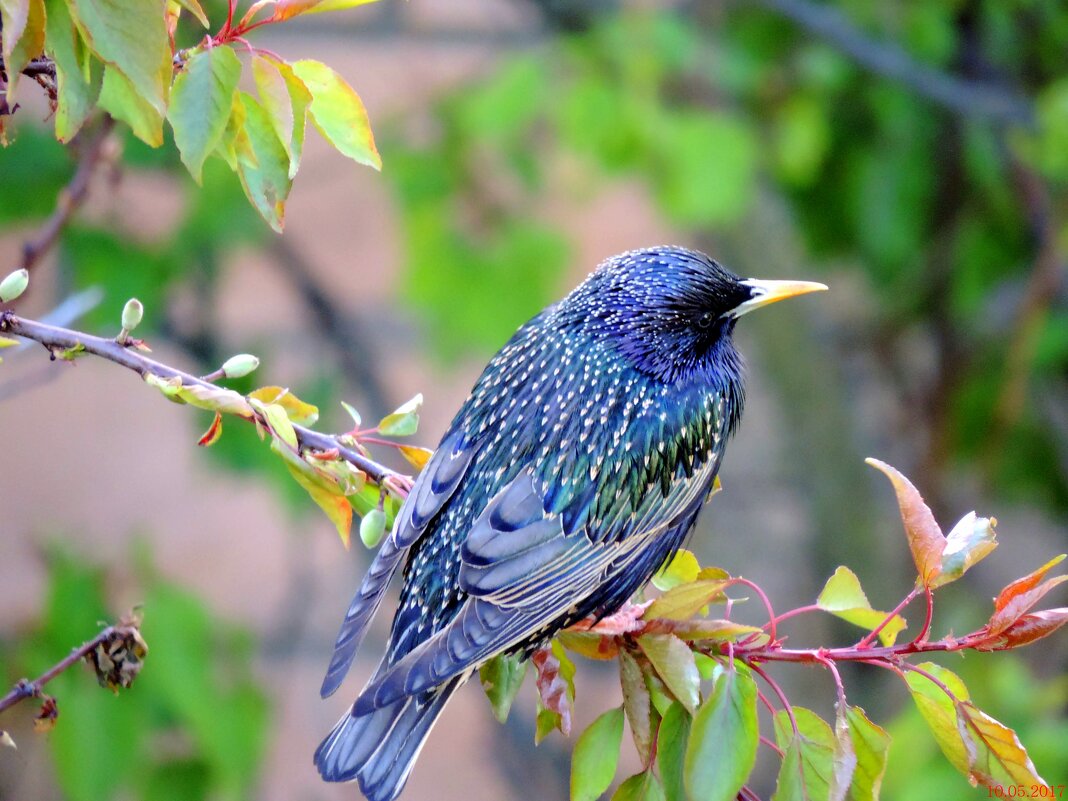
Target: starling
573, 471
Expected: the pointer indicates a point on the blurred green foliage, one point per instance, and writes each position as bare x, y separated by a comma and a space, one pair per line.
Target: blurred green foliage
193, 726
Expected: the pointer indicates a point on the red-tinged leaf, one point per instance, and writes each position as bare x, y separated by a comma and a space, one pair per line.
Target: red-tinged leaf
1019, 604
593, 763
970, 541
671, 741
556, 689
211, 436
686, 600
638, 704
1025, 584
326, 492
843, 597
501, 679
723, 738
871, 744
286, 99
338, 113
673, 661
925, 538
200, 104
808, 765
1028, 629
643, 786
287, 9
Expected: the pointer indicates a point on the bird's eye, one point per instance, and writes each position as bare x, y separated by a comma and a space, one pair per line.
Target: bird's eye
705, 320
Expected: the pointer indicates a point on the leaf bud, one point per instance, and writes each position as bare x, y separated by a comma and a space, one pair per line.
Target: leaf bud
14, 285
132, 313
240, 365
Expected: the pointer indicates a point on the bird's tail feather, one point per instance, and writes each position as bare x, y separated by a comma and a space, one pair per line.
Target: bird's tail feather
378, 749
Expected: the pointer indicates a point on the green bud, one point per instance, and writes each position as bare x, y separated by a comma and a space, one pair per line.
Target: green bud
240, 365
132, 313
14, 285
373, 527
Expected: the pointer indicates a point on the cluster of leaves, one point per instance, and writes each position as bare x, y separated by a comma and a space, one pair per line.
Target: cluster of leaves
703, 111
127, 60
692, 691
107, 747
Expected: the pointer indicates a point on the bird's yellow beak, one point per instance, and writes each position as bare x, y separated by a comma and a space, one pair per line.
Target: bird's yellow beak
765, 292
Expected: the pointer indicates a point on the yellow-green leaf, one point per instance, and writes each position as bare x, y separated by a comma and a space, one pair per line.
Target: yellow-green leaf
23, 37
337, 5
871, 744
404, 421
338, 113
267, 183
200, 104
673, 661
194, 8
808, 765
843, 597
685, 600
682, 569
286, 99
301, 413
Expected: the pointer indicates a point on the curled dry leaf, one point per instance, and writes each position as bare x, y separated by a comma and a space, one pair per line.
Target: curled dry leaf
117, 661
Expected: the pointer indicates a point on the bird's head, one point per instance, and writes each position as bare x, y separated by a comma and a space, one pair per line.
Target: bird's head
670, 310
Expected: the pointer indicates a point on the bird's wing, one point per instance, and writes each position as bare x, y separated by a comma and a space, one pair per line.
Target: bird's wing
436, 484
522, 571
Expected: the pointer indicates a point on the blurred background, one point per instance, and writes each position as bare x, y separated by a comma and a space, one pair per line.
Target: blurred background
913, 155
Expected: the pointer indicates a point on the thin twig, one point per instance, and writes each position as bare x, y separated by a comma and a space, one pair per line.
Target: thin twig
57, 339
968, 98
24, 689
71, 197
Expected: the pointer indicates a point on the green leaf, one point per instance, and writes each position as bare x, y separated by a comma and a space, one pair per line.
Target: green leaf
76, 93
843, 597
808, 766
119, 98
337, 5
682, 569
723, 740
640, 787
131, 35
326, 492
404, 421
267, 182
200, 104
286, 99
638, 704
278, 421
501, 679
338, 113
673, 661
671, 741
939, 710
970, 541
23, 37
685, 600
593, 763
871, 744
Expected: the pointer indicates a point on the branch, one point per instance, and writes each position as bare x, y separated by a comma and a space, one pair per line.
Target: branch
59, 340
121, 636
965, 97
70, 198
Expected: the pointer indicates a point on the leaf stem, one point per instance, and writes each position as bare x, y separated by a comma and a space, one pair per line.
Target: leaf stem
870, 636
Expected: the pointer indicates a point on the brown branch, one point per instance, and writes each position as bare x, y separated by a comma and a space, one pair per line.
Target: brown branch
70, 198
24, 688
57, 340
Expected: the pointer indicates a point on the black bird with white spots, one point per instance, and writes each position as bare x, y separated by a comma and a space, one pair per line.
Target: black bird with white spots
574, 470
